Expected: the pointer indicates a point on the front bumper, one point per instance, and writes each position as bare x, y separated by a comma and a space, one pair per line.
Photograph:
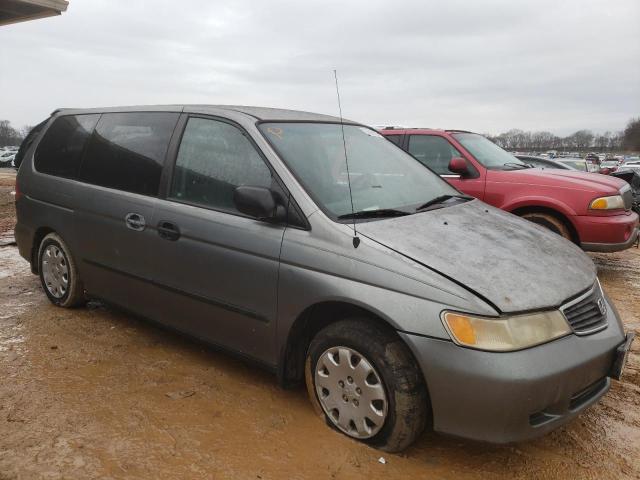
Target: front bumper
515, 396
607, 233
612, 247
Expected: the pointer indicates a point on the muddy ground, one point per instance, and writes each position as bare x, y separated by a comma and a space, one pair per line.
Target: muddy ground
95, 393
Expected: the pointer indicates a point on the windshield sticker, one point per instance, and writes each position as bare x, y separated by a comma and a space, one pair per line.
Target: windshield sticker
277, 131
371, 133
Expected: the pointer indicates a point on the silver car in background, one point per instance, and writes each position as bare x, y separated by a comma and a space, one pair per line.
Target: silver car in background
326, 254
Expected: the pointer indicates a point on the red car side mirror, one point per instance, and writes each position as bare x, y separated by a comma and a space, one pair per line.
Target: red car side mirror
459, 165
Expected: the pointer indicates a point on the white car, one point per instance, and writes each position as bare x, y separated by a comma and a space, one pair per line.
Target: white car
6, 158
634, 165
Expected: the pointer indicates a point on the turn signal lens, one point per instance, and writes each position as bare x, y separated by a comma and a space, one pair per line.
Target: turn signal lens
607, 203
461, 328
503, 334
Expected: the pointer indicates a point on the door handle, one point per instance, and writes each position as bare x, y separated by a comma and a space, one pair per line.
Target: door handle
135, 221
168, 231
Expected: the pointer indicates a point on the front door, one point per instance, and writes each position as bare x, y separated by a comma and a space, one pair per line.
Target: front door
436, 152
218, 268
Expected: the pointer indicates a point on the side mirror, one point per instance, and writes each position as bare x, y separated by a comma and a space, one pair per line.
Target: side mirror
459, 165
258, 202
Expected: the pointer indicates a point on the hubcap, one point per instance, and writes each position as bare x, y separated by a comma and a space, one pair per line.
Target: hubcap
350, 392
55, 271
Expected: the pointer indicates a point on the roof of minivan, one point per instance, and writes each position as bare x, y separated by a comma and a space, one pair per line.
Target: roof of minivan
259, 113
266, 113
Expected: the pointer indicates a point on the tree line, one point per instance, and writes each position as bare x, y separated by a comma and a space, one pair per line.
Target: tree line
582, 140
514, 139
10, 136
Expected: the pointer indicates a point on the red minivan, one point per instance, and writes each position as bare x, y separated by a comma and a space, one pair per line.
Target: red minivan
594, 211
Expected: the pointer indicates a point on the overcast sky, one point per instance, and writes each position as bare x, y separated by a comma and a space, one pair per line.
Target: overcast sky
483, 65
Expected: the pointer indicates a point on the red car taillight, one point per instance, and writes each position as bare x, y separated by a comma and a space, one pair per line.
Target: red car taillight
18, 193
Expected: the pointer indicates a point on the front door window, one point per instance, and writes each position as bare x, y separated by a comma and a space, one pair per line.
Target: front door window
433, 151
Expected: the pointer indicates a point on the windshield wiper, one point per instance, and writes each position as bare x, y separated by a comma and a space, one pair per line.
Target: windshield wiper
441, 199
516, 165
379, 213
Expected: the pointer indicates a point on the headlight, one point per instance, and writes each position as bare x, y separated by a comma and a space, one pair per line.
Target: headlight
607, 203
503, 334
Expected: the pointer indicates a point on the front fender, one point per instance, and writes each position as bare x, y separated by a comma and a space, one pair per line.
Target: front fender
537, 201
403, 293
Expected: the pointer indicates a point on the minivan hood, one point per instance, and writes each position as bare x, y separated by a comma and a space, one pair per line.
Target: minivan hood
514, 264
559, 178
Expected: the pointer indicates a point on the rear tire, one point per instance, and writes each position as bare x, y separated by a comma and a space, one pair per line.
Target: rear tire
58, 273
363, 379
550, 222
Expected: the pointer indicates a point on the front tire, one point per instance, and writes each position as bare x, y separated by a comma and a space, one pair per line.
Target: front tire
58, 272
363, 379
550, 222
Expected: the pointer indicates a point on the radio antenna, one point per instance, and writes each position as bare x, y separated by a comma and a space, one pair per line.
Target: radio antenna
356, 239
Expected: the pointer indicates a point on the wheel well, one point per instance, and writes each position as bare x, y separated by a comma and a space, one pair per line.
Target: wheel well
550, 211
37, 239
308, 323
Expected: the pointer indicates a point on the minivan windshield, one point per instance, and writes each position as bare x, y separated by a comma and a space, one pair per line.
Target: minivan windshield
488, 153
385, 181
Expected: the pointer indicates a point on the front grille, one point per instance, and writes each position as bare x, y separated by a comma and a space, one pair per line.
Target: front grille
627, 197
588, 313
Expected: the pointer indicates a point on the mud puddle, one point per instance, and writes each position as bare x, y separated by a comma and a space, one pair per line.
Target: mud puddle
95, 393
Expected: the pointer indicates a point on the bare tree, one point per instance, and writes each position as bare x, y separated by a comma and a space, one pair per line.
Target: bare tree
582, 140
8, 134
24, 131
631, 135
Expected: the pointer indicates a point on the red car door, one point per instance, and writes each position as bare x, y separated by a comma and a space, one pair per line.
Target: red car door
435, 151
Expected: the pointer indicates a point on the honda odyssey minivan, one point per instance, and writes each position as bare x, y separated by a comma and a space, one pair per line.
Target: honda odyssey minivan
330, 256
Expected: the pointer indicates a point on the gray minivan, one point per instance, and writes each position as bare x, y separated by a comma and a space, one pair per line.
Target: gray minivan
328, 255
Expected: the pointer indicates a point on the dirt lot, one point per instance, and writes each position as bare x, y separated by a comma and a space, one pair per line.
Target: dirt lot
94, 393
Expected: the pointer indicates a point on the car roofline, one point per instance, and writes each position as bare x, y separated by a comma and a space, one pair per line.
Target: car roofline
403, 130
262, 114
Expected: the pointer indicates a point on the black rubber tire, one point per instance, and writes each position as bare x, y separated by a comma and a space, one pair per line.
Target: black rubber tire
550, 222
74, 295
408, 401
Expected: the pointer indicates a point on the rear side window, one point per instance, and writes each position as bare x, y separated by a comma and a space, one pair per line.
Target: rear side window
395, 139
434, 152
215, 158
127, 151
60, 151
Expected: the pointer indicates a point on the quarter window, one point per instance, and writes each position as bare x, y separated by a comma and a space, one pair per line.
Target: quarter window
60, 151
127, 151
433, 151
395, 139
215, 158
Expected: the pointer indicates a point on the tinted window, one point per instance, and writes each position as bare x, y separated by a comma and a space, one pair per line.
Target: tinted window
215, 158
60, 151
127, 151
434, 152
395, 139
